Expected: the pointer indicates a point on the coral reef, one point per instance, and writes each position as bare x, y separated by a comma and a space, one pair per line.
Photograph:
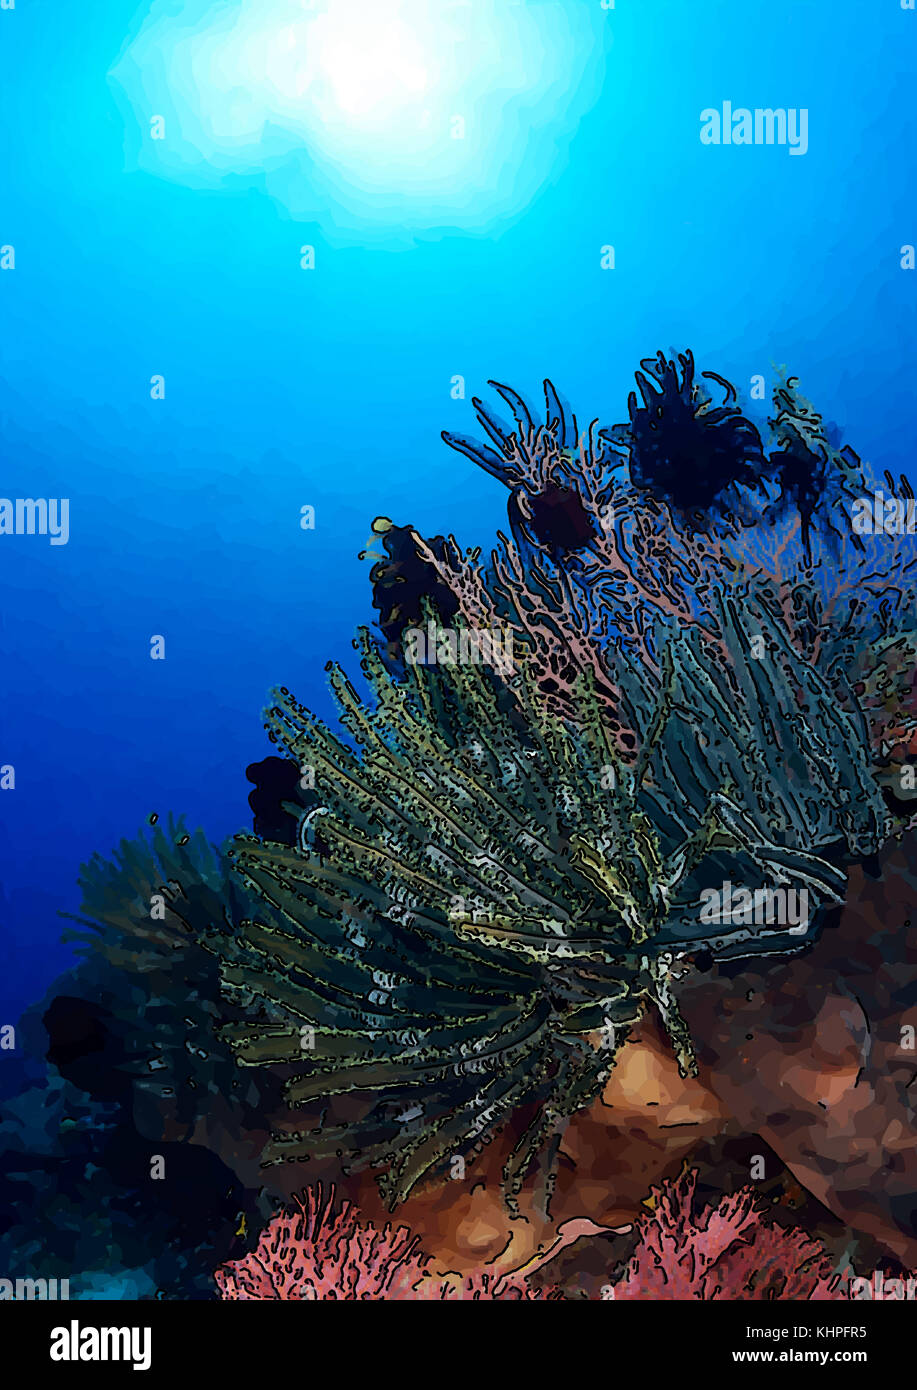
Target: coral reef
79, 1201
318, 1252
815, 1055
724, 1251
495, 884
481, 916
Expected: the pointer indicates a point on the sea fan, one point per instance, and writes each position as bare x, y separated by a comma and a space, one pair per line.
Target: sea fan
560, 483
615, 527
814, 477
318, 1253
765, 722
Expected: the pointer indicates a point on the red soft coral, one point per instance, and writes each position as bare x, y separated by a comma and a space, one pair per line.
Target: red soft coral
316, 1252
724, 1252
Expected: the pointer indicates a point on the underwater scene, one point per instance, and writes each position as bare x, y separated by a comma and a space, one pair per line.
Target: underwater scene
458, 757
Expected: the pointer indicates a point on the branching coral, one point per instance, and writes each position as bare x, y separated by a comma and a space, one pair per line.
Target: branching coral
726, 1251
319, 1253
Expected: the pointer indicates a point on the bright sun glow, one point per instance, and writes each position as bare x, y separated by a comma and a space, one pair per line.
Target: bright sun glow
371, 65
407, 113
361, 66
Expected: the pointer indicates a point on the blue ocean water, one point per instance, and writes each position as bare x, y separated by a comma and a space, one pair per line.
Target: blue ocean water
476, 254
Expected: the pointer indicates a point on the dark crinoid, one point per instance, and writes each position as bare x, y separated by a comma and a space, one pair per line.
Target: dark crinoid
559, 480
684, 449
404, 582
816, 476
559, 519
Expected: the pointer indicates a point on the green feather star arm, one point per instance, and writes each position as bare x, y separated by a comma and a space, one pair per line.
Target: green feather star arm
484, 890
486, 885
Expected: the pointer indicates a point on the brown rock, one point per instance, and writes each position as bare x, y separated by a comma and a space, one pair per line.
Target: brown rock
807, 1053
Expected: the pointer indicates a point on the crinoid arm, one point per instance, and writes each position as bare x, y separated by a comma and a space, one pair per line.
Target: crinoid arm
489, 884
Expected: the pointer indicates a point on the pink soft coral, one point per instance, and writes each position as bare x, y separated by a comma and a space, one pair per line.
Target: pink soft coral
724, 1252
317, 1253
